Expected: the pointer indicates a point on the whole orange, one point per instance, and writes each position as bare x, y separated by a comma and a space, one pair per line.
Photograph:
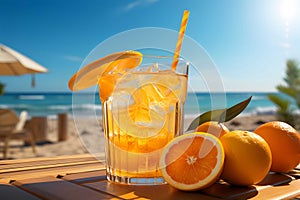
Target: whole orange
213, 127
284, 142
248, 158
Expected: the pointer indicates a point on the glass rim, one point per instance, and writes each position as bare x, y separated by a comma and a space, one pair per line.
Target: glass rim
164, 57
154, 56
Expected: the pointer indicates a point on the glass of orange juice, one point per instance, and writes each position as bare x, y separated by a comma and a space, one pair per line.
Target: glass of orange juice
141, 114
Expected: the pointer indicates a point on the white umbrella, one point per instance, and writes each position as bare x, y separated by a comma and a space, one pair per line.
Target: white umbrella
13, 63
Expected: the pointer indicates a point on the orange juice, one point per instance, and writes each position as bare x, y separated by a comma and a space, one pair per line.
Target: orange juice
142, 114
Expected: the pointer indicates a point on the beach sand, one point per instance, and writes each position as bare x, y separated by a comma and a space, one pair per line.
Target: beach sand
86, 136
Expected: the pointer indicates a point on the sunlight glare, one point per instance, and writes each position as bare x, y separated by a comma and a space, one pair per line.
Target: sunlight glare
287, 9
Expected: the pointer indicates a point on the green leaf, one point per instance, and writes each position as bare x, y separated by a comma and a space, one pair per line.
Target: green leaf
221, 115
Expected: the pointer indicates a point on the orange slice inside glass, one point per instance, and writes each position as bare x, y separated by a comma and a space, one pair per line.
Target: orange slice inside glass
149, 118
105, 71
192, 161
146, 115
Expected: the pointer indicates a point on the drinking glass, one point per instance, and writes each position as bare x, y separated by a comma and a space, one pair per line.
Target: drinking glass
141, 115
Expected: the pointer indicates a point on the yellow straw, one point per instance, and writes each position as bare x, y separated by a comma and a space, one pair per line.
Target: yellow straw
184, 21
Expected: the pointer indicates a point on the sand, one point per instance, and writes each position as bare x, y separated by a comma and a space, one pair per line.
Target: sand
85, 135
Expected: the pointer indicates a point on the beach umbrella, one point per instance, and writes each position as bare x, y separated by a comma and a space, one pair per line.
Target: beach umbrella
13, 63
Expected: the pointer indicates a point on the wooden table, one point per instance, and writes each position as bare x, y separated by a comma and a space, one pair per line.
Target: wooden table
83, 177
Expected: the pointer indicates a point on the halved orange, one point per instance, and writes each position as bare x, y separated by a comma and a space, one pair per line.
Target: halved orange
116, 63
192, 161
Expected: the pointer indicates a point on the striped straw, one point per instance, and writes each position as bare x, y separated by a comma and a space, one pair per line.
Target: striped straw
184, 21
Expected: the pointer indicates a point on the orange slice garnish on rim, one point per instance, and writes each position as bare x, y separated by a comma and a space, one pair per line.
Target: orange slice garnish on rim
116, 63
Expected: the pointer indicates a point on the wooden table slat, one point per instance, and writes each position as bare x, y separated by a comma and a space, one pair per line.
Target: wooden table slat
285, 191
165, 192
295, 173
46, 166
54, 171
52, 188
274, 179
8, 191
41, 159
227, 191
7, 166
86, 177
10, 167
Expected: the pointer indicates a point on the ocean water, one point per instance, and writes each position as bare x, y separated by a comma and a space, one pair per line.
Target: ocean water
87, 104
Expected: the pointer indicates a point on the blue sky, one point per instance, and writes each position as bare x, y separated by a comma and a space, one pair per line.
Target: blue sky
249, 41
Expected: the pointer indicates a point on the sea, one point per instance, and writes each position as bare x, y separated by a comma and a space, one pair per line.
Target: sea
51, 104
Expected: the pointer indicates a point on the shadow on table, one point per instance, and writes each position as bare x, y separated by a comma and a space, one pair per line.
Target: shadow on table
220, 189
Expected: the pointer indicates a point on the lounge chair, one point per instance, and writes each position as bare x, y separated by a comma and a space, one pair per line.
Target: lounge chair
12, 127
